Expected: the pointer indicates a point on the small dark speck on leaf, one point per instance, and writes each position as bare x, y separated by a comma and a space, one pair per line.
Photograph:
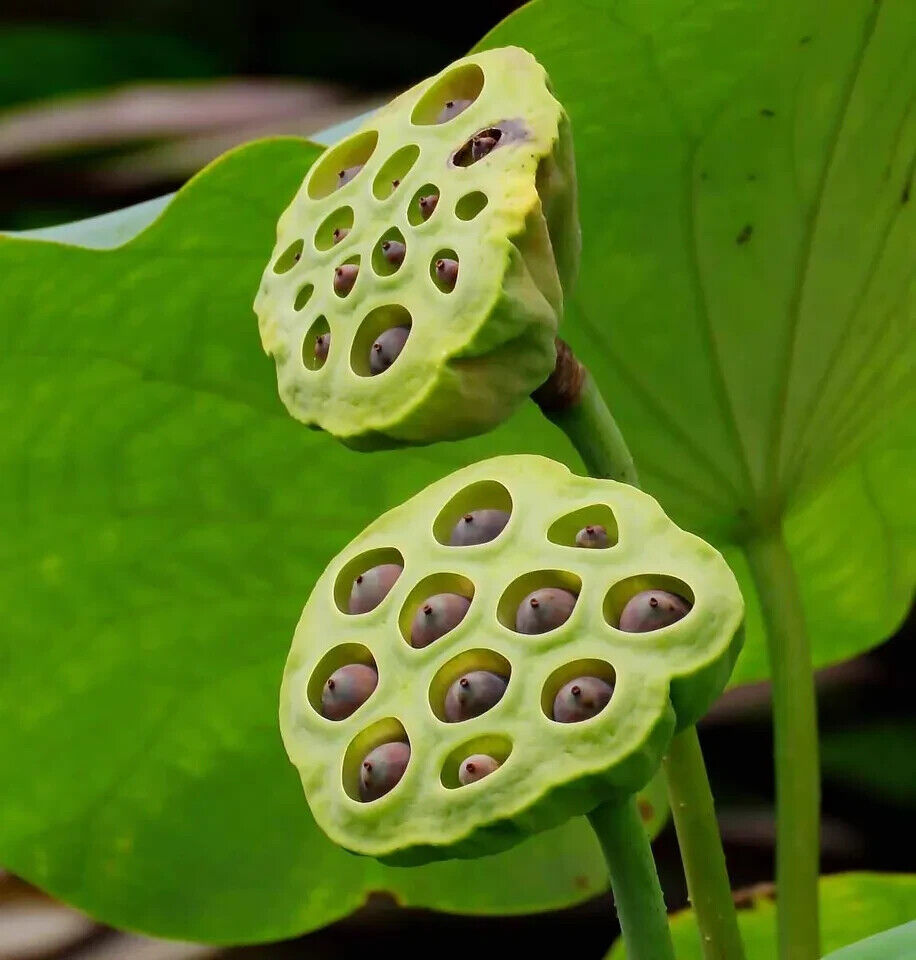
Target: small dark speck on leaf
805, 39
767, 112
704, 175
646, 810
580, 882
745, 234
905, 196
752, 177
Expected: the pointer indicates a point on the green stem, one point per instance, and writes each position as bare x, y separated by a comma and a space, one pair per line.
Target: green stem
795, 728
634, 881
701, 848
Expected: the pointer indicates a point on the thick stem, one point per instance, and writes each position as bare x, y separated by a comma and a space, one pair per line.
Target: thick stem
634, 881
701, 848
795, 729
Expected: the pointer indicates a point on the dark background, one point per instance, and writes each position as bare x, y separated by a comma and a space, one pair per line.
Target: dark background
102, 106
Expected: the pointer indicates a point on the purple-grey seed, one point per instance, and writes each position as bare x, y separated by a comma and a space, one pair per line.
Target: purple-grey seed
344, 278
347, 689
436, 616
382, 769
544, 609
387, 348
372, 586
322, 346
394, 251
339, 233
451, 110
473, 694
428, 205
478, 526
347, 174
593, 536
652, 610
481, 146
581, 699
447, 273
476, 767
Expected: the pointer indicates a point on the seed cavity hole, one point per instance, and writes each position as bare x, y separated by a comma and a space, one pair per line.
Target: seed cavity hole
435, 607
303, 296
477, 514
592, 527
334, 228
345, 276
470, 205
474, 760
443, 268
469, 685
389, 253
289, 258
365, 581
578, 690
385, 747
317, 345
394, 170
481, 145
449, 96
539, 602
647, 603
423, 204
380, 340
341, 164
342, 681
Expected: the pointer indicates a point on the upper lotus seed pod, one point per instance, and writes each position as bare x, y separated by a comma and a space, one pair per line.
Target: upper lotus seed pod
544, 609
477, 354
473, 694
371, 588
387, 348
478, 526
594, 536
581, 699
322, 346
476, 767
346, 689
381, 770
652, 610
436, 616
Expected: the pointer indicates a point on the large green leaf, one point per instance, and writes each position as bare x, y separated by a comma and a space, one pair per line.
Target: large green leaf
853, 906
898, 943
746, 296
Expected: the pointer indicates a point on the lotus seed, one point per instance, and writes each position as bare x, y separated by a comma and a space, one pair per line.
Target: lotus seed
339, 234
473, 694
344, 278
581, 699
481, 146
381, 770
594, 536
476, 767
394, 251
347, 688
652, 610
428, 205
346, 175
478, 526
322, 346
436, 616
371, 588
544, 609
387, 348
451, 110
447, 273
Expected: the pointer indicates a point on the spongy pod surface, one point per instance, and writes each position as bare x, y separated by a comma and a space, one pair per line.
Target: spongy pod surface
504, 225
546, 768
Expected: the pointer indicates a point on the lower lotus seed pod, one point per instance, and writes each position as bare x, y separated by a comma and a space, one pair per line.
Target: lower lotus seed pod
347, 689
346, 175
581, 699
371, 588
478, 526
481, 146
652, 610
451, 110
387, 348
344, 278
394, 251
473, 694
594, 536
382, 769
447, 273
476, 767
322, 346
544, 609
428, 205
339, 233
436, 616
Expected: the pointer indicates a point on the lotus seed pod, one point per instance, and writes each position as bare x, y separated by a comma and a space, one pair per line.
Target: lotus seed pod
344, 278
346, 689
593, 536
447, 273
394, 251
544, 609
476, 767
473, 694
322, 346
451, 109
371, 588
509, 221
581, 699
436, 616
478, 526
382, 770
652, 610
387, 348
339, 234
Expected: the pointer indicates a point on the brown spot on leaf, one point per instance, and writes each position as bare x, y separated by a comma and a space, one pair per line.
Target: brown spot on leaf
581, 882
745, 234
646, 810
767, 112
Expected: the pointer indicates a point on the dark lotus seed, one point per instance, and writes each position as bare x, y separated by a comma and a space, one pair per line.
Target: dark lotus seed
544, 609
594, 536
436, 616
387, 348
476, 767
451, 110
481, 146
581, 699
652, 610
447, 273
473, 694
347, 688
339, 234
344, 278
371, 588
381, 770
394, 251
322, 346
428, 205
478, 526
346, 175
